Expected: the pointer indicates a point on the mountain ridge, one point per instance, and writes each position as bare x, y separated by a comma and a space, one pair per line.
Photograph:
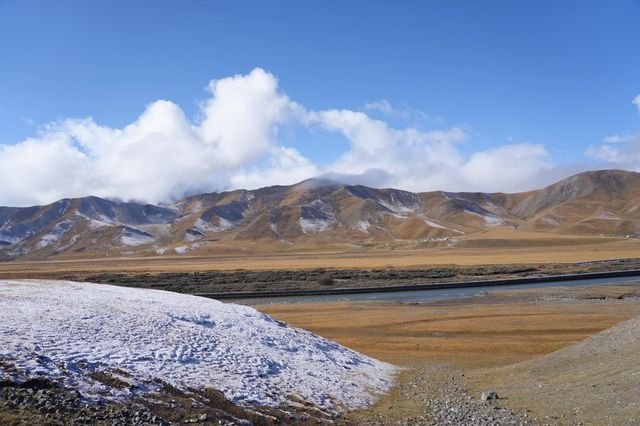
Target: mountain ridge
317, 212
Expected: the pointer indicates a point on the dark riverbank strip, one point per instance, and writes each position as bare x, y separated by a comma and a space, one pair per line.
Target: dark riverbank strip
421, 287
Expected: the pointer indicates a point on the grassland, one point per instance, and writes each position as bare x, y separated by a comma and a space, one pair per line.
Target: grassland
477, 332
501, 250
481, 340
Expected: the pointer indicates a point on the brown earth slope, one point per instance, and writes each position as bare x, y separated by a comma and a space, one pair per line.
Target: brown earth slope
325, 215
596, 381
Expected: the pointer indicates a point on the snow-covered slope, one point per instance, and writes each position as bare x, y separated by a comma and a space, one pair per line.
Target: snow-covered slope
66, 330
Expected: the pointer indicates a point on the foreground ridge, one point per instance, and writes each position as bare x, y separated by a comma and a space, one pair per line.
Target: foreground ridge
117, 344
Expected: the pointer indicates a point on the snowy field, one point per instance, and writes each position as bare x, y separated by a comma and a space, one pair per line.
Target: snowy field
66, 330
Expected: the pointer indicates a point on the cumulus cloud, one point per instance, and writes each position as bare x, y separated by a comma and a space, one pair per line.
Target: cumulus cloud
624, 155
517, 166
285, 166
160, 156
425, 160
619, 151
243, 115
235, 142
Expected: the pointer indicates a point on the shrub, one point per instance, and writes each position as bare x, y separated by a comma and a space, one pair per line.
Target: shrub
326, 280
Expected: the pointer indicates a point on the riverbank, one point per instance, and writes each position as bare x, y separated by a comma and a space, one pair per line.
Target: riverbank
421, 292
245, 283
463, 338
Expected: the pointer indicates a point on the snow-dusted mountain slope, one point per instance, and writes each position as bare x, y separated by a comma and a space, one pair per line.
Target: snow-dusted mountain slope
315, 213
68, 331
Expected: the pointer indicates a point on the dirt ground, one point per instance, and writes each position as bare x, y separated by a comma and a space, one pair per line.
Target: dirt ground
464, 339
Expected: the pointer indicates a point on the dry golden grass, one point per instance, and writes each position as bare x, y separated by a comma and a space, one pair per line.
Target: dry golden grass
498, 248
476, 332
470, 335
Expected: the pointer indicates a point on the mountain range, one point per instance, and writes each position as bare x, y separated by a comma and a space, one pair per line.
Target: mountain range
315, 214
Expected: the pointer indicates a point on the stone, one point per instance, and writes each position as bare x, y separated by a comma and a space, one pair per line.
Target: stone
488, 395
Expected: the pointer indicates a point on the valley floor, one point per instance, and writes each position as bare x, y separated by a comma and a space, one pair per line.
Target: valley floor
485, 249
451, 351
454, 350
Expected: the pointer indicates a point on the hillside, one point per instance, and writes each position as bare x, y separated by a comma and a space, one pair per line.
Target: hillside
320, 213
592, 382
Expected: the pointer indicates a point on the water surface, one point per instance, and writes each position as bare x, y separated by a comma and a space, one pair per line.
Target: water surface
421, 296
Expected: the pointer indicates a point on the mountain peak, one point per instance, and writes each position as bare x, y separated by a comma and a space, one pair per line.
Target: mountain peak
318, 212
318, 182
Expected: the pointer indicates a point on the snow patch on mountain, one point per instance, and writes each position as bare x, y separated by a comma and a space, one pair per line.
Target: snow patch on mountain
55, 234
7, 240
316, 217
187, 249
135, 237
207, 227
607, 216
363, 226
434, 225
489, 219
549, 220
398, 208
97, 222
274, 227
313, 226
65, 330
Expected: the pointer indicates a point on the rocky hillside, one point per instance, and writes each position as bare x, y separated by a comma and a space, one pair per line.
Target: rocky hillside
592, 382
317, 213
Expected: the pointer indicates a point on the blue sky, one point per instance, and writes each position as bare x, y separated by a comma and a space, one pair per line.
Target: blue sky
561, 75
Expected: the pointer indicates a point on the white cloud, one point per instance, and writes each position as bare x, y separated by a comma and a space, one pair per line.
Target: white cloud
28, 121
516, 166
619, 151
285, 166
162, 155
367, 136
40, 170
384, 106
242, 116
404, 112
158, 157
622, 155
617, 138
426, 160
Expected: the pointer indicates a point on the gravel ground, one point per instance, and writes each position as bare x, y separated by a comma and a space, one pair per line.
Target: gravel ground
596, 381
438, 395
30, 405
40, 402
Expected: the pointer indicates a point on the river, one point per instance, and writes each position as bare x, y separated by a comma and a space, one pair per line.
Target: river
421, 296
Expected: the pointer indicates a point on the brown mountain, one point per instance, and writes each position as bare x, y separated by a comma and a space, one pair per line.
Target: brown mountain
317, 214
